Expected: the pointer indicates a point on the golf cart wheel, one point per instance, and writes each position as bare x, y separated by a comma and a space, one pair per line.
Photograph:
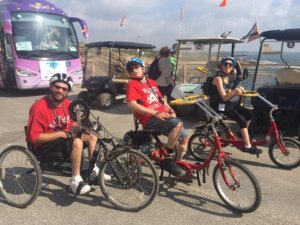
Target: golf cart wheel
257, 123
105, 101
84, 95
201, 115
299, 132
83, 107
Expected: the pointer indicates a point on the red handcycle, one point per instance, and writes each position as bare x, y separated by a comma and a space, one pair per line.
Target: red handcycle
234, 183
283, 151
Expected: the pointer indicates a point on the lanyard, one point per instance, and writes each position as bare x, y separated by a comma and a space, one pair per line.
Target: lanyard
56, 118
153, 92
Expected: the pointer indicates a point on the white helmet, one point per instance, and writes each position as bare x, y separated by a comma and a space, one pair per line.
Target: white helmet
62, 77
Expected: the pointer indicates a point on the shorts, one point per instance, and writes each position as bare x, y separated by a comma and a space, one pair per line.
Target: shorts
63, 145
165, 127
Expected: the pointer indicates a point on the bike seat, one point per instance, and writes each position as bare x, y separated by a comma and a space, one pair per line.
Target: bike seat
50, 157
152, 132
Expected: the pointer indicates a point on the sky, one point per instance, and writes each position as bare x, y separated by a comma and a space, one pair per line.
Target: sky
157, 22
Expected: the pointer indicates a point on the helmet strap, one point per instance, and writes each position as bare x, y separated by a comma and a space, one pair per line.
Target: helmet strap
138, 79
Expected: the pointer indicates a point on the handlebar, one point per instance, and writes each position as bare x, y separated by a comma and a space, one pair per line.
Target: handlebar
190, 100
248, 94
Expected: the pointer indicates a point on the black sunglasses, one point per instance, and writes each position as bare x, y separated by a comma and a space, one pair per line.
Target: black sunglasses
228, 64
59, 87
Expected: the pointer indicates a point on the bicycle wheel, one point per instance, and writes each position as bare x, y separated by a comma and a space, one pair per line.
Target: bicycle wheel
245, 194
289, 161
200, 145
20, 176
131, 187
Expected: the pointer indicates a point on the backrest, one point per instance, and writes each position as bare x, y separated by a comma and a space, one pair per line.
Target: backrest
30, 145
288, 76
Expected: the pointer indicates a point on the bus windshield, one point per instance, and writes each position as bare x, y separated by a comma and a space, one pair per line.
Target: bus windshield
38, 35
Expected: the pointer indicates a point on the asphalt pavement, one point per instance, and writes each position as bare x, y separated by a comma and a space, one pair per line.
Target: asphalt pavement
183, 203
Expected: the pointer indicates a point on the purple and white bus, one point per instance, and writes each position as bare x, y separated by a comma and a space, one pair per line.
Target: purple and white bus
37, 39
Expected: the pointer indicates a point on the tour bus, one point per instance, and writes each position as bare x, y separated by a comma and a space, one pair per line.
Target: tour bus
37, 40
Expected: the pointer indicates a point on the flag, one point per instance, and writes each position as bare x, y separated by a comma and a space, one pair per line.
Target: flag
223, 4
225, 34
181, 12
253, 34
123, 21
84, 30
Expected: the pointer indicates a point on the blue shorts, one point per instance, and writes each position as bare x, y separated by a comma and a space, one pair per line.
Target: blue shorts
165, 127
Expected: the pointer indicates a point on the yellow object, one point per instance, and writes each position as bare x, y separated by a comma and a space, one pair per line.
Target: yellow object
188, 100
202, 69
248, 94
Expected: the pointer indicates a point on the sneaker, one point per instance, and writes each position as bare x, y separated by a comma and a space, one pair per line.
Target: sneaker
172, 167
252, 150
79, 187
95, 173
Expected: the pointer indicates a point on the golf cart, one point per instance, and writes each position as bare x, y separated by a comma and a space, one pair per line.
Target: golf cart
196, 82
105, 74
286, 91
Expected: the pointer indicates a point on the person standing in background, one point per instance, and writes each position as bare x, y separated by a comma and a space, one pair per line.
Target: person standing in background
164, 82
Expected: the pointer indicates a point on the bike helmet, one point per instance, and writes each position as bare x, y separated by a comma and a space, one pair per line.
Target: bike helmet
136, 61
228, 58
62, 77
171, 50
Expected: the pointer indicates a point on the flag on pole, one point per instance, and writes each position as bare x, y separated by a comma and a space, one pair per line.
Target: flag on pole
253, 34
123, 21
225, 34
223, 4
84, 30
181, 12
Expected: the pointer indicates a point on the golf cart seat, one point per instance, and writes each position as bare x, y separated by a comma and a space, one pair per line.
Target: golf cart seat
288, 76
121, 81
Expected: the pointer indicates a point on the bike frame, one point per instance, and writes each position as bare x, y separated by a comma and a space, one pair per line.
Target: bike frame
239, 144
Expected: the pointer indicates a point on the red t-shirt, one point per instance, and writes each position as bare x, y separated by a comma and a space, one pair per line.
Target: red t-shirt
137, 90
42, 119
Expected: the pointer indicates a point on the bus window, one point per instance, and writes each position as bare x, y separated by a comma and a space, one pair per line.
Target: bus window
8, 47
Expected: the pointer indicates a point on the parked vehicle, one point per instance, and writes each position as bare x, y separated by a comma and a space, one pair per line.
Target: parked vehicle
107, 84
37, 40
286, 93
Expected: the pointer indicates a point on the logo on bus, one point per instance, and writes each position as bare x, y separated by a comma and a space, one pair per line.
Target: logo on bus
68, 64
38, 5
52, 65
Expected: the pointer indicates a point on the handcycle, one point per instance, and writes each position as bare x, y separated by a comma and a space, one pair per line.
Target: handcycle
233, 182
133, 185
283, 151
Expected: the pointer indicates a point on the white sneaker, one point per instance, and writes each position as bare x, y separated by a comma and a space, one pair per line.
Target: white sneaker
75, 184
95, 173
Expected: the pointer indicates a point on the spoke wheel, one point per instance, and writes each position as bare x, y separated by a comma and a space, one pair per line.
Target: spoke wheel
244, 195
134, 182
20, 176
289, 161
199, 145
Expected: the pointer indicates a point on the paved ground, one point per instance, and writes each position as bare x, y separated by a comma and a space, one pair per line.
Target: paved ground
186, 203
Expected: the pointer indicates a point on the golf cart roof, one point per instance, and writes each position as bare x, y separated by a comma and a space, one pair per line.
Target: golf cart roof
210, 40
120, 44
282, 35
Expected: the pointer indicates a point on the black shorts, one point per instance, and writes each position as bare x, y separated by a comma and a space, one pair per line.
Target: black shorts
63, 145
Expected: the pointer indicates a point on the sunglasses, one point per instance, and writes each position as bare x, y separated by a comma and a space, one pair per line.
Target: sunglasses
131, 68
227, 64
59, 87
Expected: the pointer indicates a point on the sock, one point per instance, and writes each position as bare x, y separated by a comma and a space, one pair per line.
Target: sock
169, 154
76, 178
249, 146
96, 168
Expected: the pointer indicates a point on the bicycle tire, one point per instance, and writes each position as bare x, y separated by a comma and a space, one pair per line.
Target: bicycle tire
12, 180
200, 150
125, 201
284, 161
245, 179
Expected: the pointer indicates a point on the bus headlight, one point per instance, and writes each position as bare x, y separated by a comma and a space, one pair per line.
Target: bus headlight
78, 71
25, 73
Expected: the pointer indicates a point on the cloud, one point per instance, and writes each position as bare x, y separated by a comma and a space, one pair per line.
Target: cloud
157, 22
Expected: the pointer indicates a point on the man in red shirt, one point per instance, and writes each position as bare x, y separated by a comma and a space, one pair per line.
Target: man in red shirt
49, 129
145, 99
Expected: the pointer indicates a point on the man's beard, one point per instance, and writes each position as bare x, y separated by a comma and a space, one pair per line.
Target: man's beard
58, 100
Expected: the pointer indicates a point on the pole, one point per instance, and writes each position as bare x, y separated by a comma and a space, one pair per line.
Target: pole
256, 17
224, 15
115, 39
